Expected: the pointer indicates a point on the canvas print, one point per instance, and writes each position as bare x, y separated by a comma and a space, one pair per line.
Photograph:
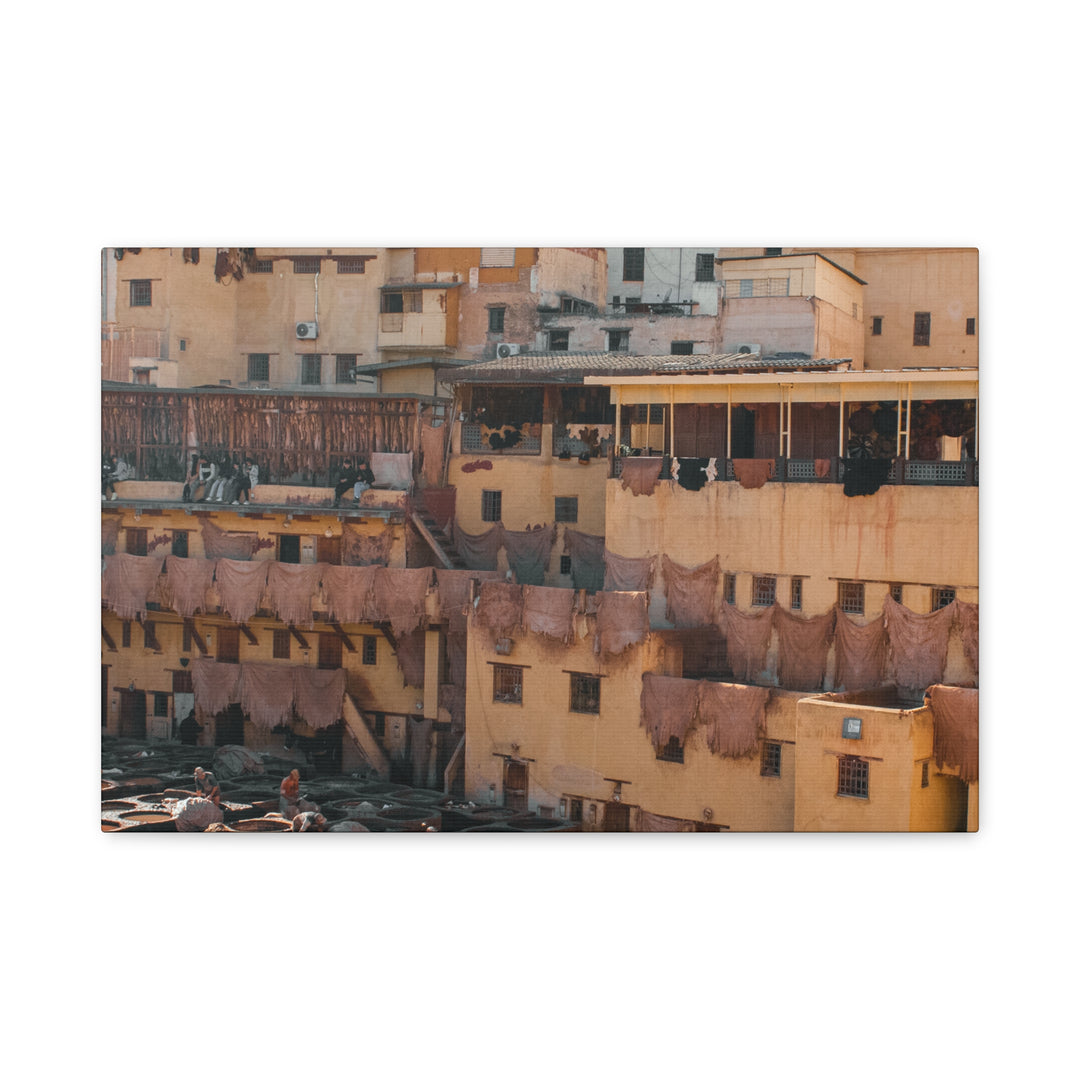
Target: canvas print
497, 539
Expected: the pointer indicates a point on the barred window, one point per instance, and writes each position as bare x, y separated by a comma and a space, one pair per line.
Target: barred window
763, 287
507, 682
770, 758
633, 264
672, 752
796, 594
584, 693
566, 508
682, 348
351, 264
141, 294
705, 267
262, 266
282, 644
925, 774
564, 564
729, 588
311, 370
618, 341
258, 367
922, 328
491, 506
746, 287
853, 778
940, 598
897, 593
655, 414
179, 546
496, 320
306, 264
875, 325
345, 368
852, 597
371, 649
414, 300
764, 594
161, 703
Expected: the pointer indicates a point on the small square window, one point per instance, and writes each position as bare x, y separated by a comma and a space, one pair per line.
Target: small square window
311, 370
282, 645
345, 368
141, 294
875, 325
566, 508
496, 320
682, 348
729, 588
262, 266
180, 543
705, 267
672, 752
633, 264
507, 682
584, 693
618, 341
922, 328
971, 327
135, 541
764, 594
925, 774
564, 565
161, 703
940, 598
770, 758
853, 778
558, 341
852, 597
491, 506
258, 367
371, 649
796, 594
306, 264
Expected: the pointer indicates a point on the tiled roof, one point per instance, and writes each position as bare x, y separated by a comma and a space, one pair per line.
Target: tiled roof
566, 367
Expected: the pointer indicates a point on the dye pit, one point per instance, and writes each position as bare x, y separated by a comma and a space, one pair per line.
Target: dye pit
143, 782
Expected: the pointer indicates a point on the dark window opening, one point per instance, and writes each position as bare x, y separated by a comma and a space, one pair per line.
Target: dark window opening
180, 544
496, 320
577, 808
940, 598
925, 774
584, 693
311, 370
655, 414
141, 294
370, 649
491, 506
729, 588
289, 549
149, 636
161, 703
380, 724
770, 758
672, 752
922, 328
853, 778
329, 652
259, 367
507, 684
345, 368
796, 594
351, 264
682, 348
585, 405
498, 406
875, 325
774, 251
558, 341
185, 640
262, 266
393, 303
564, 565
282, 644
705, 267
125, 633
970, 328
566, 508
135, 541
897, 593
633, 264
618, 341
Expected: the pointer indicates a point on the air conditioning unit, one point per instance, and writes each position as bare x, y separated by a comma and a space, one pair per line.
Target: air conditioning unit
746, 347
505, 350
307, 330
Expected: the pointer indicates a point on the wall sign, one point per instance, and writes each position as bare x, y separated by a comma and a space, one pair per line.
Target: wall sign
852, 727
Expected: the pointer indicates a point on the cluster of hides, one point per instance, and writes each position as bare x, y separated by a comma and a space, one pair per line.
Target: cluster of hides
692, 473
290, 588
393, 470
733, 717
232, 761
529, 552
196, 814
622, 620
747, 639
500, 607
956, 729
348, 590
188, 582
127, 582
753, 472
433, 449
669, 707
219, 544
439, 503
454, 587
269, 693
803, 648
918, 643
623, 573
691, 592
480, 551
548, 611
640, 474
658, 823
863, 476
361, 549
410, 657
399, 595
110, 533
860, 654
967, 620
240, 585
586, 559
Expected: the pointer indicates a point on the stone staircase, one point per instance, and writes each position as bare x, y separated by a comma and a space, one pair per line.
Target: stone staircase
439, 542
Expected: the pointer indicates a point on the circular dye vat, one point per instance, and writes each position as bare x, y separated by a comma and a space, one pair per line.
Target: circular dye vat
111, 826
119, 804
413, 818
147, 817
261, 825
424, 796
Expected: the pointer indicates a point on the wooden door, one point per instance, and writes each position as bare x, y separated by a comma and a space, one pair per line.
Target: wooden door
516, 786
228, 645
742, 432
616, 817
329, 651
132, 714
328, 550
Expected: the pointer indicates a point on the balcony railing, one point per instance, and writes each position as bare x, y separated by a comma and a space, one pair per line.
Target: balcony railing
480, 439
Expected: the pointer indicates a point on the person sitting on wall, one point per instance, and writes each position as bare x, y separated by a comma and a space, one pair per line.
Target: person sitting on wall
221, 483
347, 478
364, 478
115, 469
202, 478
206, 786
248, 478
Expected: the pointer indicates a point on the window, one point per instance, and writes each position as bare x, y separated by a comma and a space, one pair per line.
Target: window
854, 310
258, 367
150, 640
288, 549
497, 256
185, 642
897, 593
796, 593
729, 588
875, 325
262, 266
351, 264
705, 267
773, 251
558, 341
577, 807
140, 293
371, 649
633, 264
345, 368
496, 320
414, 300
852, 597
970, 328
853, 778
655, 414
125, 633
770, 758
306, 264
282, 644
566, 508
922, 328
764, 592
392, 303
940, 598
135, 541
380, 724
311, 369
564, 565
584, 693
161, 703
507, 684
329, 652
672, 752
180, 543
491, 506
925, 774
682, 348
183, 344
228, 644
618, 341
746, 287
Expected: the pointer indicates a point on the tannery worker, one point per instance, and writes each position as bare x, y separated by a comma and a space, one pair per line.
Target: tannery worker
206, 786
309, 821
290, 795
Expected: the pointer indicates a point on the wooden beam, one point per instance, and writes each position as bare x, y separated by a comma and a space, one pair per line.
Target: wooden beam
299, 637
200, 644
246, 631
108, 639
341, 634
150, 640
384, 629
